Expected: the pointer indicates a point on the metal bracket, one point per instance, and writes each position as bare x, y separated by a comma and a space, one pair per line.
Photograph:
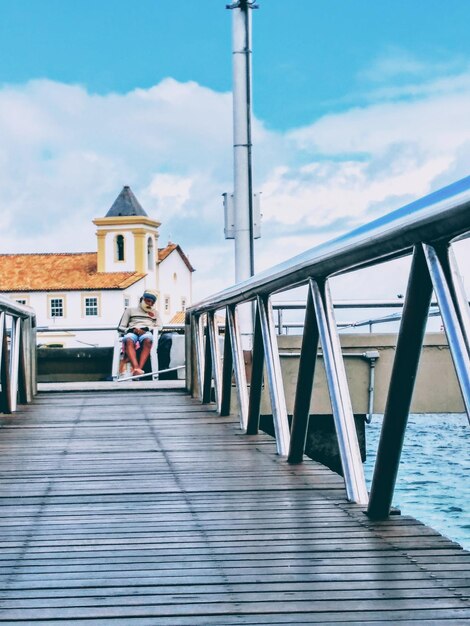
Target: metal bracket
242, 4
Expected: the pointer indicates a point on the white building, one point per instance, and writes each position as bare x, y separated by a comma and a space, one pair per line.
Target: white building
73, 291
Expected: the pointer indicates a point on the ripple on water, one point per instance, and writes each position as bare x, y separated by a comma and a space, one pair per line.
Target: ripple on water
435, 446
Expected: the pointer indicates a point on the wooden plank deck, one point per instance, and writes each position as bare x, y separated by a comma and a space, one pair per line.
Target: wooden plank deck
145, 508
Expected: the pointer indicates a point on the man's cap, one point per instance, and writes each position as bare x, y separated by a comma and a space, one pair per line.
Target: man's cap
150, 294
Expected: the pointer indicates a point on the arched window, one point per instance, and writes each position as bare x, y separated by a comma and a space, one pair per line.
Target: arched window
119, 247
150, 255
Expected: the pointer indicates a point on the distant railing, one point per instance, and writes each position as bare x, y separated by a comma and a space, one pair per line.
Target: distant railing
74, 331
283, 326
18, 374
423, 229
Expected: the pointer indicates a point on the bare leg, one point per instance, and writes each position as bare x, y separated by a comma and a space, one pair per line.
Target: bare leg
131, 354
144, 353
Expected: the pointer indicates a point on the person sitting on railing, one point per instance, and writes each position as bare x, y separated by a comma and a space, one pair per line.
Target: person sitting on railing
136, 326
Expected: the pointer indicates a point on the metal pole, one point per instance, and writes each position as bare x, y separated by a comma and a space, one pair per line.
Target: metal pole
370, 408
242, 145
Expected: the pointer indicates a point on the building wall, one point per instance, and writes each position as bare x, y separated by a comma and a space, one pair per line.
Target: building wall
175, 282
129, 264
111, 304
112, 264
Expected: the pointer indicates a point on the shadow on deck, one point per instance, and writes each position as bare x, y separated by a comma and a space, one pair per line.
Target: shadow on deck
147, 508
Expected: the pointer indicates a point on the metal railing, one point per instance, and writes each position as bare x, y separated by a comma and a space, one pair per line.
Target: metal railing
18, 373
423, 229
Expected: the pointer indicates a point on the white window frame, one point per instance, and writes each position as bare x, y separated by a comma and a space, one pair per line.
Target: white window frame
87, 296
50, 299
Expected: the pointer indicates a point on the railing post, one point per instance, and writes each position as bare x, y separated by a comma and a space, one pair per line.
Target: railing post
5, 367
256, 383
303, 393
189, 354
458, 293
215, 354
233, 328
405, 367
207, 379
24, 393
227, 369
455, 283
275, 383
198, 339
339, 395
34, 359
452, 319
14, 360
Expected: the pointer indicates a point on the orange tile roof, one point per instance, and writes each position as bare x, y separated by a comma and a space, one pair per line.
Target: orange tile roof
59, 272
164, 252
178, 318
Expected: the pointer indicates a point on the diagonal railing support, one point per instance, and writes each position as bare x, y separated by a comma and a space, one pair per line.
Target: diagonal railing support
274, 375
24, 372
454, 317
5, 378
238, 363
15, 343
256, 382
303, 393
339, 395
207, 378
227, 370
198, 339
455, 283
405, 367
215, 357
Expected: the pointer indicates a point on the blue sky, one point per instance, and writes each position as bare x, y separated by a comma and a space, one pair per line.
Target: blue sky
359, 107
310, 58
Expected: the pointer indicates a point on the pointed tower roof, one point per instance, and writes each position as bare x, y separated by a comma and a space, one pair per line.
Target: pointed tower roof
126, 205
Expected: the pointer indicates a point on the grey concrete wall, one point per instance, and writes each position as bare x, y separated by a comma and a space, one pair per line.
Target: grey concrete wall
436, 390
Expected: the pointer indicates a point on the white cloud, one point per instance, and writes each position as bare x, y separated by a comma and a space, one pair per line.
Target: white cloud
397, 63
65, 154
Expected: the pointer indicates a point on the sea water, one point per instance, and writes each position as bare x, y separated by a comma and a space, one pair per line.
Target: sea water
433, 483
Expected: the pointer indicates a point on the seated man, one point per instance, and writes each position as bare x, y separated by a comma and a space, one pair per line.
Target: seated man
136, 326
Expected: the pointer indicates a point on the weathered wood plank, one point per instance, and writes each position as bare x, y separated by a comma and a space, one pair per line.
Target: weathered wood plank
145, 508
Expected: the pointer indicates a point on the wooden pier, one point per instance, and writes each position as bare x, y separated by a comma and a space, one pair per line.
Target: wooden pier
144, 508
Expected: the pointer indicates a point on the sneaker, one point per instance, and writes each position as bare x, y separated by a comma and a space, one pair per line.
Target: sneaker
137, 372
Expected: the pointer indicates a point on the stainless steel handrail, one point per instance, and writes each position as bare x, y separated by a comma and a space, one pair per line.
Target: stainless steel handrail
425, 229
18, 371
439, 217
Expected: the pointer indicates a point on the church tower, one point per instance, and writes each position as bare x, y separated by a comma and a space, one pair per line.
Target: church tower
128, 239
